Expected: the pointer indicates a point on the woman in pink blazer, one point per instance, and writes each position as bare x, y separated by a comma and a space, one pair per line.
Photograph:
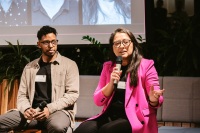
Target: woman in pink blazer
130, 96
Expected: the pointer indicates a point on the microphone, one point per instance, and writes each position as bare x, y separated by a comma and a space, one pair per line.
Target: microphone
41, 106
118, 65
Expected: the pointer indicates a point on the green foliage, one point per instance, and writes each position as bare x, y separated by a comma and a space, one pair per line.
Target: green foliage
92, 56
13, 62
176, 51
92, 40
140, 39
89, 57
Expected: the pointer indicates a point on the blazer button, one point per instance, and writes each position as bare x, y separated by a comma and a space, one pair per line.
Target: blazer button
102, 99
142, 122
136, 105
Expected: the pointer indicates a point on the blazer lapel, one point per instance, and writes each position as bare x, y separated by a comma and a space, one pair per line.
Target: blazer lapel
129, 90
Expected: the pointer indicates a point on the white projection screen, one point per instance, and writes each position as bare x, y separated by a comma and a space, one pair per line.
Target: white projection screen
72, 19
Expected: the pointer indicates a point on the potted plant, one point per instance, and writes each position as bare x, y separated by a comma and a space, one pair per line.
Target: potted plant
93, 58
89, 57
178, 47
13, 61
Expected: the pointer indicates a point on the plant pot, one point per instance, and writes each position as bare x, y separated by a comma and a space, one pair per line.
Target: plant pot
8, 96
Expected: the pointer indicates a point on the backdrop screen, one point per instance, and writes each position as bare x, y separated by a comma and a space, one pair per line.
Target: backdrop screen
21, 19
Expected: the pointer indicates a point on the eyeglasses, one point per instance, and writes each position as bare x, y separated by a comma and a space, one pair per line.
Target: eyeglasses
125, 42
47, 42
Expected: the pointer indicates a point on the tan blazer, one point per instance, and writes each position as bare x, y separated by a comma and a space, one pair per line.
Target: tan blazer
65, 86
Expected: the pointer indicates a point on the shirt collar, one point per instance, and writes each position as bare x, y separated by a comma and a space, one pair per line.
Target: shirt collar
37, 5
56, 61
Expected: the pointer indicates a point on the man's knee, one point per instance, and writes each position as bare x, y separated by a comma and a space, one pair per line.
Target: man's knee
58, 122
58, 128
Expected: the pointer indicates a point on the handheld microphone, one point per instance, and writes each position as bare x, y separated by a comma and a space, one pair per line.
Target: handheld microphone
41, 106
118, 65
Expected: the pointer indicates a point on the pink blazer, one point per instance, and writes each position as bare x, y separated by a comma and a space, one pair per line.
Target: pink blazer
141, 115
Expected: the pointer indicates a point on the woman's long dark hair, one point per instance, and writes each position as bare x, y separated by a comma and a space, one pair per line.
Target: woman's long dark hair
134, 60
90, 10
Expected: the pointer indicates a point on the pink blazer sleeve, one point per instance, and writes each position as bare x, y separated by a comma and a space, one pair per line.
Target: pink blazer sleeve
99, 98
151, 77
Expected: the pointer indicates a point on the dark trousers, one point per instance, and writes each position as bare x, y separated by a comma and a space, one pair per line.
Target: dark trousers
57, 122
105, 125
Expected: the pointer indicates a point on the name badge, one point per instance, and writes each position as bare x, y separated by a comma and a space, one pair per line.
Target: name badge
40, 78
121, 85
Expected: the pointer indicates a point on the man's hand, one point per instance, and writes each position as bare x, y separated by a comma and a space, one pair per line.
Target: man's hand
43, 115
29, 113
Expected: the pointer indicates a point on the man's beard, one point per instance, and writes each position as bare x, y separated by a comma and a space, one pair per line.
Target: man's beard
49, 55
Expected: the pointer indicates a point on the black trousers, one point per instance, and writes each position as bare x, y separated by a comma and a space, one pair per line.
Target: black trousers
57, 122
105, 125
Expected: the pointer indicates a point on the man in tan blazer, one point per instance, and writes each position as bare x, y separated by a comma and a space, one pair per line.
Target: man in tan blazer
53, 79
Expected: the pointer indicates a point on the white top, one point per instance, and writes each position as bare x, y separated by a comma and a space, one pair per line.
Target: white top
51, 6
5, 4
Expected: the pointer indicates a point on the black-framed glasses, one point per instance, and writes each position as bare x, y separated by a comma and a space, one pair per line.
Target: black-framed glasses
47, 42
125, 42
